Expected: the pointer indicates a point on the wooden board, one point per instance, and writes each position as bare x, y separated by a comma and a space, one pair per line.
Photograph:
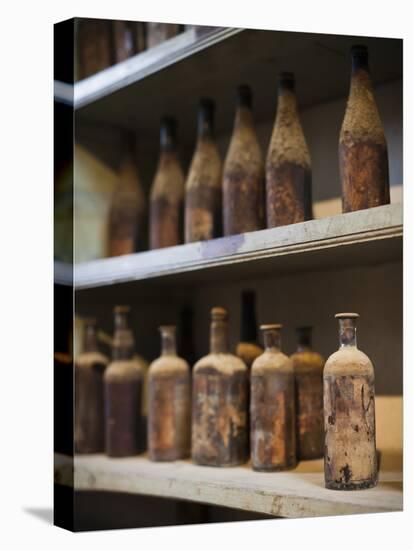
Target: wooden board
296, 493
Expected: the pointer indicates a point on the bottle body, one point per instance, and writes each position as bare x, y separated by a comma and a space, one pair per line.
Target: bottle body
219, 402
169, 404
89, 411
308, 373
288, 165
127, 214
167, 193
350, 460
203, 201
243, 174
363, 157
272, 410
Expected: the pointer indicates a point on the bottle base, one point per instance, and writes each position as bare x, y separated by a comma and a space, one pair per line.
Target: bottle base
354, 486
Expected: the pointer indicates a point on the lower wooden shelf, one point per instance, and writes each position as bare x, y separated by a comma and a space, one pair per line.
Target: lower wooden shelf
293, 494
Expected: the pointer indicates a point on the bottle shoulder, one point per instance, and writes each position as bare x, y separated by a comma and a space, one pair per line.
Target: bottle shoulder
123, 370
272, 362
288, 145
348, 360
307, 360
90, 358
248, 351
168, 365
244, 152
169, 181
224, 363
206, 166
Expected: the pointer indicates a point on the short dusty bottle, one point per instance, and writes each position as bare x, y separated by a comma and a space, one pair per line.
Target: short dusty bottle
128, 206
219, 401
203, 200
350, 460
308, 372
243, 176
248, 348
167, 193
288, 165
90, 366
272, 406
363, 155
169, 411
123, 392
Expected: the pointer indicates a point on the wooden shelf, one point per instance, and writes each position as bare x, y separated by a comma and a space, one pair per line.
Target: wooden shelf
365, 237
296, 493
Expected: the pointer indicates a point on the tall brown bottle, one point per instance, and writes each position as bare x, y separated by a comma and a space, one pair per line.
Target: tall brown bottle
203, 200
219, 401
248, 349
243, 176
350, 460
128, 207
169, 411
308, 372
288, 166
167, 193
90, 366
273, 438
364, 169
123, 392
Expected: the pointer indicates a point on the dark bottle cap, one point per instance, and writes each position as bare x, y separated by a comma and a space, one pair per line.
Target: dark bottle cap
360, 56
286, 80
244, 96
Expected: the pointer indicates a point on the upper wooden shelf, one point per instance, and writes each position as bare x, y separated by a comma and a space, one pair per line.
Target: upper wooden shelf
213, 61
365, 237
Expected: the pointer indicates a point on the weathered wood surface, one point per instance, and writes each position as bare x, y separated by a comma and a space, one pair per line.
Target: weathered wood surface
374, 224
296, 493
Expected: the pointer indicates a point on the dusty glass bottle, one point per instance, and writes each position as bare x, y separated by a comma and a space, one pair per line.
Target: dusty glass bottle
90, 366
272, 407
363, 157
203, 200
219, 401
123, 392
288, 165
248, 348
169, 411
243, 175
167, 193
350, 460
308, 372
128, 205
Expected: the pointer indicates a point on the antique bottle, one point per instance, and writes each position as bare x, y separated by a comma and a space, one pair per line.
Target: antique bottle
123, 393
90, 366
243, 175
308, 372
248, 349
219, 401
169, 411
93, 46
288, 166
203, 193
167, 193
363, 156
128, 208
123, 40
272, 407
350, 460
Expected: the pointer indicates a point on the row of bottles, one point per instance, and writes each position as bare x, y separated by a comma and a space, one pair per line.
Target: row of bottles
272, 411
101, 43
245, 193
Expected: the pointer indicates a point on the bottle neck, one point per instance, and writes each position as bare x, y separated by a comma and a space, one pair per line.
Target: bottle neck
219, 336
167, 139
90, 339
248, 318
287, 102
304, 338
205, 124
123, 340
168, 340
347, 333
272, 339
243, 116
